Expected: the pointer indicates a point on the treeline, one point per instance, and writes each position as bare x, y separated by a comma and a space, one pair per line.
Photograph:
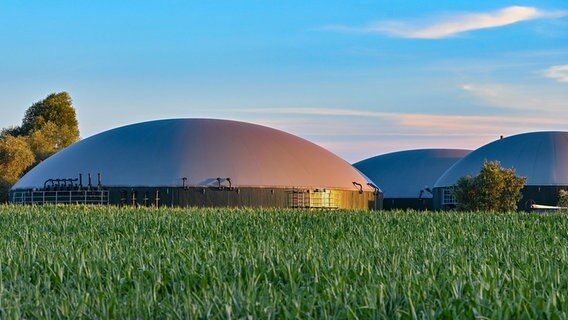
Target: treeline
48, 126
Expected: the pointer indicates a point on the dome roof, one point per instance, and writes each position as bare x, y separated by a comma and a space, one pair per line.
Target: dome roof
162, 152
539, 156
404, 174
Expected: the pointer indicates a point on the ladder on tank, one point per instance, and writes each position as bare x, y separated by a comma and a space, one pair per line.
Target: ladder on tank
298, 199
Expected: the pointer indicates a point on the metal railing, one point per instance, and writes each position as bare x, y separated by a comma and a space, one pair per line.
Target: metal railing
60, 197
298, 199
317, 199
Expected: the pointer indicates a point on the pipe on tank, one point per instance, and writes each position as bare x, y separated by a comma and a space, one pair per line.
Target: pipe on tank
358, 186
377, 189
46, 182
74, 182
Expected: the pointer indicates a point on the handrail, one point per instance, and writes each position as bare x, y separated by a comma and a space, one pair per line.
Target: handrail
60, 197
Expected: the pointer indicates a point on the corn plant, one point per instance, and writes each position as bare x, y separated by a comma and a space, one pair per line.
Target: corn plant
109, 262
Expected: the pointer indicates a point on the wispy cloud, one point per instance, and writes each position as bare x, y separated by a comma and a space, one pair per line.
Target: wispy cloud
532, 98
369, 133
412, 123
559, 73
540, 53
318, 112
358, 150
451, 25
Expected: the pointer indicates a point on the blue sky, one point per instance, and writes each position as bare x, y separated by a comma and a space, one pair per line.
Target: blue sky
358, 77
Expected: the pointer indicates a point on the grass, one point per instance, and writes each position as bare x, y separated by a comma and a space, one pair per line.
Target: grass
108, 262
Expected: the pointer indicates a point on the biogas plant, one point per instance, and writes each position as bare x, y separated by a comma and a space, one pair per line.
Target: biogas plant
197, 162
222, 163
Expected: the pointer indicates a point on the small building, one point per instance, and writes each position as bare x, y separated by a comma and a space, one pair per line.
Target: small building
541, 157
407, 177
197, 162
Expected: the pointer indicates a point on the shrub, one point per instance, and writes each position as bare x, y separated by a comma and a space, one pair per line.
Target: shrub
563, 199
493, 189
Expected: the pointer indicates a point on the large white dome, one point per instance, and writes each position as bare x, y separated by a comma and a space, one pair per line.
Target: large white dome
163, 152
542, 157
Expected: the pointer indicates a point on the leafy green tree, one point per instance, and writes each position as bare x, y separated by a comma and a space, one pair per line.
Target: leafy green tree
48, 140
493, 189
15, 157
57, 108
511, 192
563, 199
465, 189
48, 126
12, 131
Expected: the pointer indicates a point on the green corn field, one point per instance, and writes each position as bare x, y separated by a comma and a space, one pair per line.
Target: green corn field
125, 263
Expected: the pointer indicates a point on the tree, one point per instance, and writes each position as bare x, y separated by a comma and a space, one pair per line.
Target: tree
493, 189
15, 157
48, 140
563, 199
511, 192
12, 131
56, 107
48, 126
466, 189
